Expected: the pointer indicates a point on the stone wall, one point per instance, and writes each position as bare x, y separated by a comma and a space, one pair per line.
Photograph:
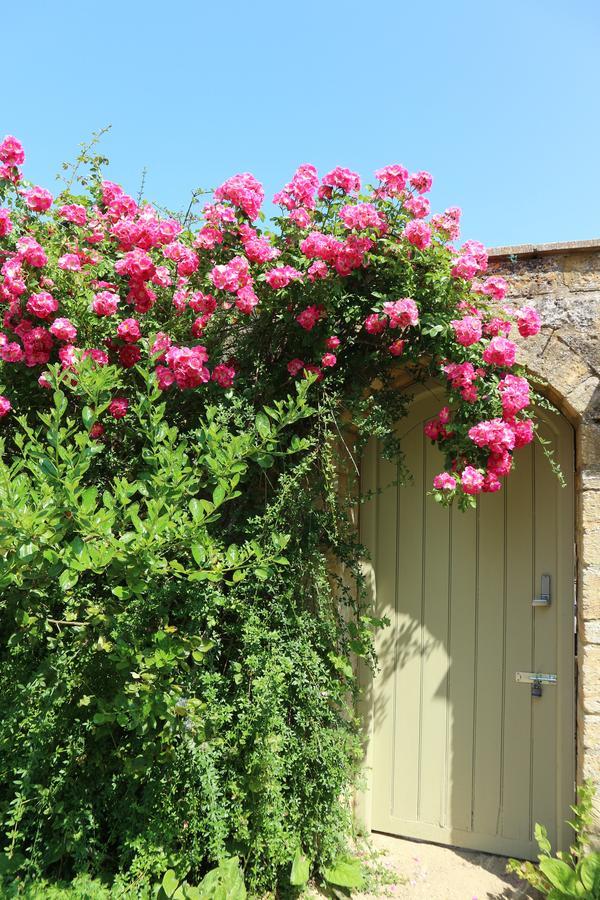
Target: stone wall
563, 282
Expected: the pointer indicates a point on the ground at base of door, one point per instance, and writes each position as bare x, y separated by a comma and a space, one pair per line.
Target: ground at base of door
432, 872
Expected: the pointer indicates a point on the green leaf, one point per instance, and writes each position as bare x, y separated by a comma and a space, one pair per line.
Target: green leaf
541, 836
300, 869
199, 553
88, 417
170, 883
226, 882
218, 494
262, 425
560, 875
589, 872
27, 551
233, 554
345, 873
265, 460
68, 579
261, 573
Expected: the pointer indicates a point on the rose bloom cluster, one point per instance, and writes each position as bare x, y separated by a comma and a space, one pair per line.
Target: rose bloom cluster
184, 300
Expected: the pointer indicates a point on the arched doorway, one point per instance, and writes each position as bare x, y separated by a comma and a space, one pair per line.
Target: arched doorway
462, 751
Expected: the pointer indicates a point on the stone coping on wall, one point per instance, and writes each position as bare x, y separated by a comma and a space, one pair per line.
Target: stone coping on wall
552, 249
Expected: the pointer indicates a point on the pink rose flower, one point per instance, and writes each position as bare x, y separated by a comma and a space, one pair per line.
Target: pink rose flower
402, 313
232, 275
523, 432
514, 394
328, 360
97, 430
244, 191
129, 330
129, 355
393, 180
528, 321
295, 366
375, 324
281, 276
300, 218
223, 375
260, 250
418, 206
309, 317
63, 330
37, 343
494, 433
471, 481
12, 352
5, 223
105, 303
67, 356
118, 407
42, 305
500, 352
362, 216
73, 212
164, 377
70, 262
187, 365
317, 269
5, 406
31, 252
38, 199
418, 233
495, 287
421, 182
99, 356
300, 192
333, 342
160, 345
465, 267
11, 151
467, 330
397, 347
444, 482
246, 299
341, 179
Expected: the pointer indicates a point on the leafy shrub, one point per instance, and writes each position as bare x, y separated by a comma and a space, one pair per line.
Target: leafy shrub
181, 600
572, 874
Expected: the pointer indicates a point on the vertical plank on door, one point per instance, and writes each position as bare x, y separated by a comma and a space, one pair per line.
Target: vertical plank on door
461, 649
516, 783
544, 708
408, 649
386, 747
435, 653
489, 674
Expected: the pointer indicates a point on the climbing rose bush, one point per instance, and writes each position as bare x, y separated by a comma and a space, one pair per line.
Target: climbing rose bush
102, 275
183, 402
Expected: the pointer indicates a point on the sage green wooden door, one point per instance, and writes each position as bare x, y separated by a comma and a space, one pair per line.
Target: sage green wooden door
462, 753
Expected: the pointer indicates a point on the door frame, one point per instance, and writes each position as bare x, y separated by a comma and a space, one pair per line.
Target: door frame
566, 656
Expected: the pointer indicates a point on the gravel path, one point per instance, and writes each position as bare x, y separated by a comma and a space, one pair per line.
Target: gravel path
431, 872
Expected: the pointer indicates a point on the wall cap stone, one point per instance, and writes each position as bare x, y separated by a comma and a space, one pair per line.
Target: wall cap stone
529, 250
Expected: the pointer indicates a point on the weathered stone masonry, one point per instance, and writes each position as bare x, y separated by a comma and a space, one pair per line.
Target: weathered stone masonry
563, 282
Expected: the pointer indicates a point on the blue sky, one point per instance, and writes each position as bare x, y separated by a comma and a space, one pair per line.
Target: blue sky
500, 101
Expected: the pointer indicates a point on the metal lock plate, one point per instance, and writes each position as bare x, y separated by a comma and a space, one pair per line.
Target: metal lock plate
532, 677
545, 597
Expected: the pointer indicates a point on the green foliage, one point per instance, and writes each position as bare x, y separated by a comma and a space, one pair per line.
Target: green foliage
174, 664
572, 874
